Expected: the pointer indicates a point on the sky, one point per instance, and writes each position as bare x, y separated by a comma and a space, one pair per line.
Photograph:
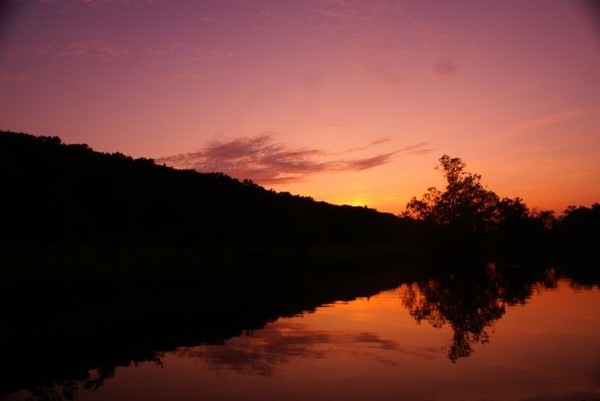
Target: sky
347, 101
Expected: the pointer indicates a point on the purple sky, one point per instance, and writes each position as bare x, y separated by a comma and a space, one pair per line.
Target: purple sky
347, 101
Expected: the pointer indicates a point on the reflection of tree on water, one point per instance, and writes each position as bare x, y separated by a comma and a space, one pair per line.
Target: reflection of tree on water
468, 300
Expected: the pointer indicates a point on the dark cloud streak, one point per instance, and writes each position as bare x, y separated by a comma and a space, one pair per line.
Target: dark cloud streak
265, 161
374, 143
368, 162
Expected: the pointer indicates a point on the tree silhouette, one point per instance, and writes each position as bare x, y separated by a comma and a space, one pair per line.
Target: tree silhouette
466, 212
464, 204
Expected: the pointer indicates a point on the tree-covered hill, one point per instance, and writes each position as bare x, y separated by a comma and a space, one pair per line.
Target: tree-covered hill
55, 193
58, 194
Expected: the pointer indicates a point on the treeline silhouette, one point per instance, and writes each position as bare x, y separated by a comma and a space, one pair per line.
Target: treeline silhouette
468, 216
57, 194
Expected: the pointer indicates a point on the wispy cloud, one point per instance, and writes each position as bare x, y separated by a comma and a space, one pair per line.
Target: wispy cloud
547, 121
445, 69
358, 10
6, 78
387, 76
179, 58
185, 76
421, 148
367, 162
266, 161
165, 50
335, 123
368, 146
333, 13
98, 3
94, 49
209, 55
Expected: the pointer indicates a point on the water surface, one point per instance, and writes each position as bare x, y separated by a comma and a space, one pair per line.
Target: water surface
439, 339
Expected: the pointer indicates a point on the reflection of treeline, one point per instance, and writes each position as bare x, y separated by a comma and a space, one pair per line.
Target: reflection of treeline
57, 194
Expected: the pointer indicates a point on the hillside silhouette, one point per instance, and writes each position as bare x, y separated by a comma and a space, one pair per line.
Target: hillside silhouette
57, 194
70, 194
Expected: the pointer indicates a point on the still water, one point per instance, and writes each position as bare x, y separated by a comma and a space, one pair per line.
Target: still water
429, 340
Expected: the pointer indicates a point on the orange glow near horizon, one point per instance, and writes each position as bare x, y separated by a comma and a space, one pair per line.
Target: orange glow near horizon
346, 101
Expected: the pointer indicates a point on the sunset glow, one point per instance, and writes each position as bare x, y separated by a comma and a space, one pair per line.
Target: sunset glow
347, 101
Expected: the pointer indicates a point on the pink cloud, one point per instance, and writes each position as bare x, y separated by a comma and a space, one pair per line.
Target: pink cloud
209, 55
359, 10
6, 78
337, 123
162, 51
548, 121
420, 148
368, 162
97, 3
370, 145
182, 76
97, 49
387, 76
445, 69
265, 161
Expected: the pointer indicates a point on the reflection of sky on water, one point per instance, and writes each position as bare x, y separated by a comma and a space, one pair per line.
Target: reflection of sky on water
278, 343
544, 349
547, 348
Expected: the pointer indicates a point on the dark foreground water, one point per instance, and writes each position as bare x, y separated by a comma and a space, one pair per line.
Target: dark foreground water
445, 339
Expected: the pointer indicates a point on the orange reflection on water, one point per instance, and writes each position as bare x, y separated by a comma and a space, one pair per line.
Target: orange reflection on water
546, 347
